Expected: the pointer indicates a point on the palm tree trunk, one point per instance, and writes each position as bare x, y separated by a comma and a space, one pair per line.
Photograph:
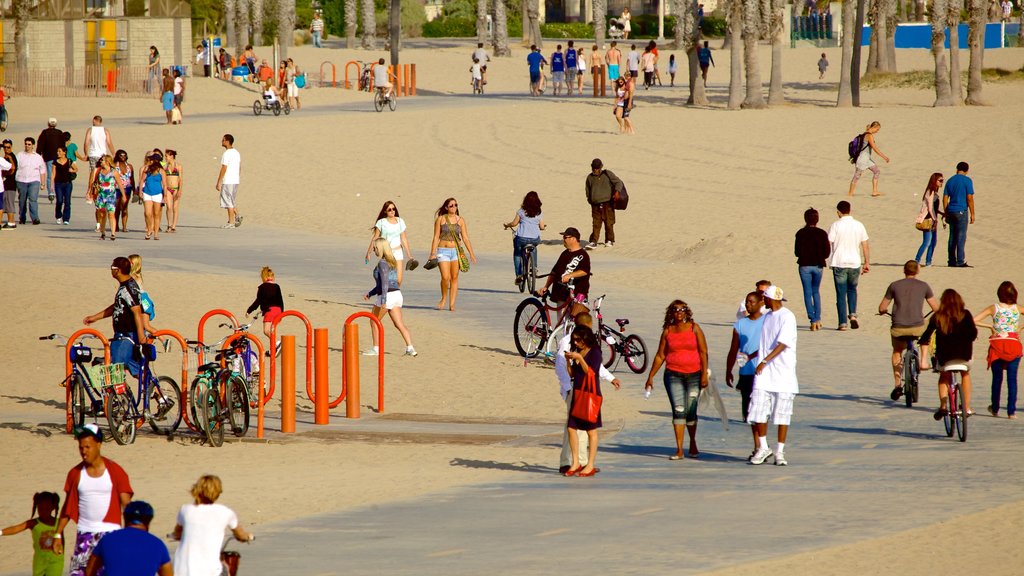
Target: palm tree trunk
600, 8
976, 43
892, 21
943, 96
395, 29
351, 23
369, 40
735, 18
778, 14
21, 18
230, 13
257, 22
872, 19
533, 16
481, 20
845, 98
500, 43
243, 22
679, 8
953, 22
285, 25
691, 27
751, 35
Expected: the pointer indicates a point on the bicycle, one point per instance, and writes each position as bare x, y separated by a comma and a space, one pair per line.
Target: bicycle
363, 84
528, 280
158, 397
380, 99
616, 344
87, 392
245, 362
478, 86
910, 366
956, 414
532, 326
218, 396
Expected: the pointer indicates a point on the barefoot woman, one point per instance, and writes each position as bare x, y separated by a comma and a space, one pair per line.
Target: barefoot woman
449, 229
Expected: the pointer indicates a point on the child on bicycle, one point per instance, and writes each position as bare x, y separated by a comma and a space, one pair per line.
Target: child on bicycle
528, 222
45, 562
269, 92
955, 333
268, 300
476, 71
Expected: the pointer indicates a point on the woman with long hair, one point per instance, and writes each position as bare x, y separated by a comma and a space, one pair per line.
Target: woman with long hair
387, 275
955, 334
528, 222
583, 358
145, 300
450, 228
107, 182
126, 172
154, 190
621, 109
153, 69
61, 182
684, 351
200, 529
391, 227
929, 209
864, 162
812, 248
174, 182
1004, 346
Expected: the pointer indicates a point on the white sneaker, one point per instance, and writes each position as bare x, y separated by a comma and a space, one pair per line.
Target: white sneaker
371, 352
59, 221
780, 459
760, 456
410, 351
228, 226
97, 226
609, 244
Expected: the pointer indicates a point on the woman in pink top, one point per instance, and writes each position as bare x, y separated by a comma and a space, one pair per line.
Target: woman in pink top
684, 351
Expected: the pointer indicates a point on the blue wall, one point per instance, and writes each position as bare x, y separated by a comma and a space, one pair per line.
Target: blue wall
920, 35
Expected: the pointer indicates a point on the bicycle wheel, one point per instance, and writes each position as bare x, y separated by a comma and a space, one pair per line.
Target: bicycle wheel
551, 345
238, 405
287, 108
277, 108
196, 391
530, 328
608, 348
213, 427
961, 414
948, 419
79, 401
378, 101
164, 405
635, 353
909, 377
119, 416
257, 107
531, 271
392, 102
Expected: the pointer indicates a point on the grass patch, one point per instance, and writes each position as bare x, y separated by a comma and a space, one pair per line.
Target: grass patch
925, 79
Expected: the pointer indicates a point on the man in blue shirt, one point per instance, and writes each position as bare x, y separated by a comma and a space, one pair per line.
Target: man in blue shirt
131, 551
534, 59
570, 68
957, 200
746, 337
558, 69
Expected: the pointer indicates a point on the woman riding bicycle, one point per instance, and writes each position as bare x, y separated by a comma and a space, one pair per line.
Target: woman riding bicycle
528, 222
955, 334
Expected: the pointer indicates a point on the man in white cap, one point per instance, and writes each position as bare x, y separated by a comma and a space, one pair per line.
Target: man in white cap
775, 383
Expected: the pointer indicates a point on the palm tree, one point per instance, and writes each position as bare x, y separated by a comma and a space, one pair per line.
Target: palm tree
21, 18
369, 41
734, 15
752, 32
776, 25
351, 23
500, 39
877, 30
230, 13
481, 20
943, 96
976, 43
953, 23
257, 21
395, 30
533, 16
891, 22
691, 28
285, 24
678, 8
845, 68
242, 9
600, 8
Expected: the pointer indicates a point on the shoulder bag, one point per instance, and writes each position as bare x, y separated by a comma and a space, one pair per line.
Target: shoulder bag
924, 225
586, 403
463, 259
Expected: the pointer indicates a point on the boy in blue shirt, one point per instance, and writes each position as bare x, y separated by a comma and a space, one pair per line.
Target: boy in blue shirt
534, 60
570, 68
746, 336
558, 69
132, 550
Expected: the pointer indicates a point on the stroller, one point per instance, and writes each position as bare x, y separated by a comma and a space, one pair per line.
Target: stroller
615, 29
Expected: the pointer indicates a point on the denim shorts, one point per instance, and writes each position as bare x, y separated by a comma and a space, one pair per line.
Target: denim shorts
682, 394
447, 254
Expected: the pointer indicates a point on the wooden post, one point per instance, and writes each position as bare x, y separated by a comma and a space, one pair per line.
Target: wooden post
352, 370
288, 384
321, 404
413, 92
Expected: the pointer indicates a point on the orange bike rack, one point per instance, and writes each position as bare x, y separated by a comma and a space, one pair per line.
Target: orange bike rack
309, 351
262, 400
70, 423
352, 63
351, 365
184, 370
202, 325
334, 73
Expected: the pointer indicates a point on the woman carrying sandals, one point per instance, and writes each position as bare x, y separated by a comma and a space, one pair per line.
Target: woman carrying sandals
388, 289
684, 351
584, 360
450, 232
391, 227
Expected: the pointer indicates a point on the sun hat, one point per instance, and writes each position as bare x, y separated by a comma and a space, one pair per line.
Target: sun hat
774, 293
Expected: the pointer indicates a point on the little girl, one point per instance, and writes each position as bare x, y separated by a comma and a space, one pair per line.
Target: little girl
672, 68
44, 561
268, 300
388, 276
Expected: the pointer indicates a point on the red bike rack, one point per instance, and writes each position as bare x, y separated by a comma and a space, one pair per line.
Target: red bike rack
184, 371
358, 70
309, 351
375, 322
202, 325
262, 400
334, 74
70, 422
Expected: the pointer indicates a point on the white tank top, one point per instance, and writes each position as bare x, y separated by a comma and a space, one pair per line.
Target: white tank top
97, 142
93, 503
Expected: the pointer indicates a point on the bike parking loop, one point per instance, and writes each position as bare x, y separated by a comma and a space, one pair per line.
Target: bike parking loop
350, 365
321, 350
184, 371
202, 326
263, 399
334, 74
287, 384
309, 352
70, 423
356, 64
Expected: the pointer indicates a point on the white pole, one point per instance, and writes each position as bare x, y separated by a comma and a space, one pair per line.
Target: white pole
661, 20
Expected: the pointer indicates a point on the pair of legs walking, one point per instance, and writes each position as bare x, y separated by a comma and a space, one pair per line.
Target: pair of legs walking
846, 280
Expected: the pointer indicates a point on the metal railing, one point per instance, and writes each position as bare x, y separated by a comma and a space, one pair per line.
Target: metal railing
90, 80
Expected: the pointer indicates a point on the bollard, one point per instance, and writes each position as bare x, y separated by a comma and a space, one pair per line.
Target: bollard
604, 76
321, 406
352, 370
412, 71
288, 384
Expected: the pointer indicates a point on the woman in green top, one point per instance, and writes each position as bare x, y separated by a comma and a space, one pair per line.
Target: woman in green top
44, 561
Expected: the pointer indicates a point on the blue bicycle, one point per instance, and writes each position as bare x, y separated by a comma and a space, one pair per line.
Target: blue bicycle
157, 401
87, 396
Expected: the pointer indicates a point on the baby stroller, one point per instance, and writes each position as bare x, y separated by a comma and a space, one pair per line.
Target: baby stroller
615, 29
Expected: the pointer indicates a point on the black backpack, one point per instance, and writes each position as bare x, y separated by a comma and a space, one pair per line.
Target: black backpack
857, 145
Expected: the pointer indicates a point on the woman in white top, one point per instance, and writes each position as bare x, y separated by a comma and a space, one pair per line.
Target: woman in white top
581, 69
1004, 346
391, 228
624, 19
200, 530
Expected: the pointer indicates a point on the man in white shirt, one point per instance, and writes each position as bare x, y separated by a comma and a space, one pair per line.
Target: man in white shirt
381, 79
97, 144
849, 240
565, 384
228, 180
775, 382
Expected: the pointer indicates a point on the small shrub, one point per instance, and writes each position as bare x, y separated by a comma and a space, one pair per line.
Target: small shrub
714, 26
450, 28
515, 27
567, 30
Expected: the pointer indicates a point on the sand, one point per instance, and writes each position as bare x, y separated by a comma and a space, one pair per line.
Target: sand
716, 198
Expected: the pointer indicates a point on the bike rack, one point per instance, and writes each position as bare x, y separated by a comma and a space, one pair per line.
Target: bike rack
334, 74
352, 63
202, 325
184, 372
309, 351
352, 350
69, 422
259, 347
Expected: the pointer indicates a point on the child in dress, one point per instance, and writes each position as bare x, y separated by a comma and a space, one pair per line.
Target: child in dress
672, 68
44, 561
822, 66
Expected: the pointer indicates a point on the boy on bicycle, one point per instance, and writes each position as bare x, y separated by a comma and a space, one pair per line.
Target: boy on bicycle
381, 79
573, 263
908, 297
127, 317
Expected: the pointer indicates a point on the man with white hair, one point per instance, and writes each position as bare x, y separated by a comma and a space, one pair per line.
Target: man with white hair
775, 383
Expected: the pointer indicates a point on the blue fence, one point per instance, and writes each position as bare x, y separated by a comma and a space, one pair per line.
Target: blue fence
920, 35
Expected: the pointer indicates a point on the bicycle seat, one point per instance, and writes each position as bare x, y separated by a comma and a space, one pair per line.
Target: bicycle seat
622, 322
209, 367
956, 366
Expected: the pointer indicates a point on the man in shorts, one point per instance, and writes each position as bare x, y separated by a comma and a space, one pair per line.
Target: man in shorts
481, 55
126, 316
908, 297
705, 59
534, 60
633, 61
775, 382
613, 58
571, 68
746, 338
228, 180
381, 79
558, 69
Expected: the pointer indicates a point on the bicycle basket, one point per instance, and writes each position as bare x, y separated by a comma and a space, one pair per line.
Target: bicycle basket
80, 354
112, 376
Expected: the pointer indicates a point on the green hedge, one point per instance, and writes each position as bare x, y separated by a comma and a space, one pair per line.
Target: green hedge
646, 26
450, 28
568, 30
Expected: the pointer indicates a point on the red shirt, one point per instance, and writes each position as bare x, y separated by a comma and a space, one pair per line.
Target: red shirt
121, 485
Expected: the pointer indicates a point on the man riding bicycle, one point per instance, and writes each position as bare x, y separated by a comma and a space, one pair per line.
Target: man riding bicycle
573, 263
381, 79
126, 310
908, 297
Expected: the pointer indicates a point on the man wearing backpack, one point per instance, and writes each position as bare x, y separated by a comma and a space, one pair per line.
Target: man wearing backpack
601, 186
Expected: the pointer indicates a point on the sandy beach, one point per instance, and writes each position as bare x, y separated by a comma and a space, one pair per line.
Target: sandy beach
716, 197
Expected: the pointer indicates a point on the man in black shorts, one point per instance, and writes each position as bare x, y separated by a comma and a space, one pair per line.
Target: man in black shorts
573, 263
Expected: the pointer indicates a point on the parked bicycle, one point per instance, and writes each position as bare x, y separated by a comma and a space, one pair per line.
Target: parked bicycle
157, 400
616, 344
86, 381
218, 398
539, 326
245, 361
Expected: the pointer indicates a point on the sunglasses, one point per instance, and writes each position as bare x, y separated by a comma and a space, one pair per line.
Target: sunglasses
450, 206
391, 209
678, 309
